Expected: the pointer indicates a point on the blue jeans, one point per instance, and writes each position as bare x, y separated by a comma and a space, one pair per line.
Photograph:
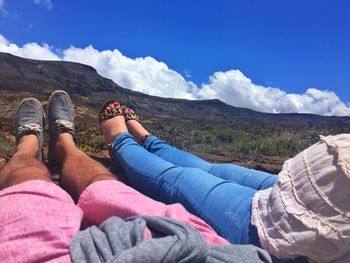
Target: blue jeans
220, 194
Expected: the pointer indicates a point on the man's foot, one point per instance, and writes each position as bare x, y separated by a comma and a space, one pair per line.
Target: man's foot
30, 120
61, 120
112, 121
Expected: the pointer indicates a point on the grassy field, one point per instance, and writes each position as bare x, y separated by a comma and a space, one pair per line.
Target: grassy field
261, 144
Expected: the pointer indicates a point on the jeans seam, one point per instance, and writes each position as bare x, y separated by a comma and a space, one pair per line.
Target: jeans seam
191, 203
261, 184
186, 197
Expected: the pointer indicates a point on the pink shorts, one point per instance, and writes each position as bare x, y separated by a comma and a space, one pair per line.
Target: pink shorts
38, 219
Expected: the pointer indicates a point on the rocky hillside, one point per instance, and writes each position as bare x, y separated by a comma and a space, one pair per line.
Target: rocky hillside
41, 77
210, 128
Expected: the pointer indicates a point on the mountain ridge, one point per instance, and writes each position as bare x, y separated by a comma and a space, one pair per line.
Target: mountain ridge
39, 76
209, 128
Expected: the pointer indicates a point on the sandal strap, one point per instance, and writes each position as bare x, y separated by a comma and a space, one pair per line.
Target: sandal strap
129, 114
110, 113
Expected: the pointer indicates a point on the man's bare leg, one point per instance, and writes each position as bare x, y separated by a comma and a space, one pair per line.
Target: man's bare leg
78, 170
24, 166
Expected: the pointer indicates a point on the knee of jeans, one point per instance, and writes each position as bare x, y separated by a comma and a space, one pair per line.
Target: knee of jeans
154, 145
268, 182
172, 173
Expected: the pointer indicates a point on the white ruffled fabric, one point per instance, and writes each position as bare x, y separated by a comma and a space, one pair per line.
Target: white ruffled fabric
308, 211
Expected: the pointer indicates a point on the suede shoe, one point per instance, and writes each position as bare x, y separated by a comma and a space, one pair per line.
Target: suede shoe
61, 119
30, 119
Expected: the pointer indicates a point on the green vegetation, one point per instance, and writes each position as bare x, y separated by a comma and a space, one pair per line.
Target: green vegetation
243, 139
209, 137
260, 146
215, 138
259, 142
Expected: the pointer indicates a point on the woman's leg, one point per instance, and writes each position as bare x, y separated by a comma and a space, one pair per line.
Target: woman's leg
254, 179
223, 204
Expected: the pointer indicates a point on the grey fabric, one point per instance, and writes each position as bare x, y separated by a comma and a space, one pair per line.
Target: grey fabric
123, 241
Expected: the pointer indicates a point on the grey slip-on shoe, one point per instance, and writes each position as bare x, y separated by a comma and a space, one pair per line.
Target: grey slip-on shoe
30, 119
61, 119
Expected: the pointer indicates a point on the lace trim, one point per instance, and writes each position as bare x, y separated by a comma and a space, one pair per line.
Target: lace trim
278, 228
29, 127
295, 208
329, 140
266, 242
65, 124
271, 244
323, 196
293, 205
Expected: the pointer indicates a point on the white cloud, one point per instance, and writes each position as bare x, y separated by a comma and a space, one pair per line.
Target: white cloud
47, 3
147, 75
236, 89
29, 50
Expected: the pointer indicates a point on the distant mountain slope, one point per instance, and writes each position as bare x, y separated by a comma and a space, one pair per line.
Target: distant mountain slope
89, 88
17, 73
209, 128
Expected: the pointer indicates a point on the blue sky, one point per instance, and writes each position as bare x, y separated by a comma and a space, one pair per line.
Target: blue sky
288, 45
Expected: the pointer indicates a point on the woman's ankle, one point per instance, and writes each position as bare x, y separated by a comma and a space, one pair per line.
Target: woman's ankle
137, 130
112, 127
